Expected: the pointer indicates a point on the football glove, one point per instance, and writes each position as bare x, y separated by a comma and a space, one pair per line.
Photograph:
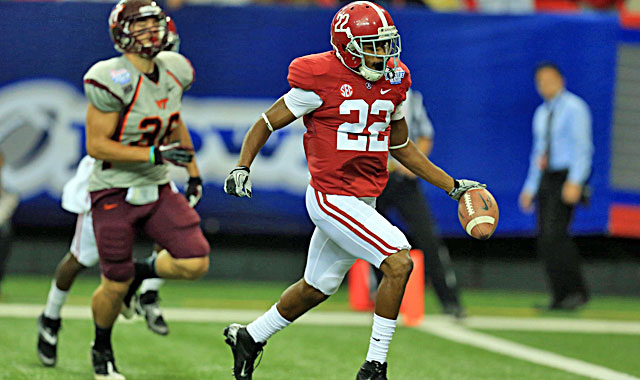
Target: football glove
463, 185
238, 182
194, 191
174, 153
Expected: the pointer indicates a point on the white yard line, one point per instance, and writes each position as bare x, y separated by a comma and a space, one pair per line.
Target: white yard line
456, 333
554, 324
437, 325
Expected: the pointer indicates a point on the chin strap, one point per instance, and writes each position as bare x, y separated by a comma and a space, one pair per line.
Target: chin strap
368, 74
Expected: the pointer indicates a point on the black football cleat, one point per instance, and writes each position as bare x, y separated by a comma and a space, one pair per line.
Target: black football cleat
104, 365
147, 306
245, 350
372, 370
48, 340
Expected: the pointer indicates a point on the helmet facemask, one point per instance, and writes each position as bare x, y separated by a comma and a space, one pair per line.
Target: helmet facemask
148, 41
385, 45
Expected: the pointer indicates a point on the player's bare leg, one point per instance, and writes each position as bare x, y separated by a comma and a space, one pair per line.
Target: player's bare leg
299, 298
185, 269
106, 304
67, 270
396, 270
165, 266
49, 322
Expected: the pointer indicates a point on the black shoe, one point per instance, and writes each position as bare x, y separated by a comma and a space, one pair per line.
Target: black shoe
245, 350
48, 340
372, 370
454, 310
104, 365
147, 306
571, 302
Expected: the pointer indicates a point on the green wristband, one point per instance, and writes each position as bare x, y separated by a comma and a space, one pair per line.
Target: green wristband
151, 155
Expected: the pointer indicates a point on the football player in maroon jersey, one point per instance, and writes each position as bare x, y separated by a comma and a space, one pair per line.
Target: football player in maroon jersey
134, 129
351, 103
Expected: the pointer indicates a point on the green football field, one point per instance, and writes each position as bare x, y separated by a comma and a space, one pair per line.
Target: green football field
503, 338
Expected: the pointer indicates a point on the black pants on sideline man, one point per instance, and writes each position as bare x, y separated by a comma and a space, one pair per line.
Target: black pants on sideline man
404, 195
557, 250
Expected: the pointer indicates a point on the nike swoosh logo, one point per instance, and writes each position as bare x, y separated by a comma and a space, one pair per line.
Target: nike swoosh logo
243, 373
486, 208
376, 339
110, 206
51, 339
384, 91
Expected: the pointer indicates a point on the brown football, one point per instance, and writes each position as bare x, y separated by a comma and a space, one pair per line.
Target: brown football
478, 213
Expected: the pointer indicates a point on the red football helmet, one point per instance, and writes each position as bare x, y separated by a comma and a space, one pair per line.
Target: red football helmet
173, 39
364, 22
122, 17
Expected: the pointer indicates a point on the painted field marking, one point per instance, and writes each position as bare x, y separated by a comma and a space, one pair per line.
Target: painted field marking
440, 326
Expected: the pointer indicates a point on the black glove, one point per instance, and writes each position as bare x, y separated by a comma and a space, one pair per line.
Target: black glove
174, 153
194, 191
238, 182
460, 186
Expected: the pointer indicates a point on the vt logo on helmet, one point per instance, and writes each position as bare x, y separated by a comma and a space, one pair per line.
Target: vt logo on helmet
365, 39
138, 26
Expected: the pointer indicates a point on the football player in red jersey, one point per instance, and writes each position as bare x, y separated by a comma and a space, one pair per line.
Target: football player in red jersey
351, 103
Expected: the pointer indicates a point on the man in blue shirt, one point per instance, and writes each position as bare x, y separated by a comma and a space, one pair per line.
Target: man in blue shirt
560, 165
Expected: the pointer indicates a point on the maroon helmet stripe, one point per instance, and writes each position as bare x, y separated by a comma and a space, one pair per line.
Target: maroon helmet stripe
103, 87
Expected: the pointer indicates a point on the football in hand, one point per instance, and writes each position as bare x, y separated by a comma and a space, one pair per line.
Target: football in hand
478, 213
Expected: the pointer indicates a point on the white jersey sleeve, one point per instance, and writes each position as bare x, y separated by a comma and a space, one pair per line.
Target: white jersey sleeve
398, 113
301, 102
107, 85
75, 194
178, 66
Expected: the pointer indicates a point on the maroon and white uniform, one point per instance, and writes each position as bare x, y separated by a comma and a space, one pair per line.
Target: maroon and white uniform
347, 147
128, 196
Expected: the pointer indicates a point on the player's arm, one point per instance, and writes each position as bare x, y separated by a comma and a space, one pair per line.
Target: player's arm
193, 192
100, 127
425, 145
278, 116
182, 134
408, 154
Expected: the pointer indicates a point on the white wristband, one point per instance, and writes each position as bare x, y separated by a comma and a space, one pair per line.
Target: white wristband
266, 120
401, 145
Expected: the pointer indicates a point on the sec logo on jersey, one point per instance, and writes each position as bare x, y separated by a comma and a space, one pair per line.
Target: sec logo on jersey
346, 90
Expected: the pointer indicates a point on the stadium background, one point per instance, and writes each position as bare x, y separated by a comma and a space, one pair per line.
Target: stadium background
474, 70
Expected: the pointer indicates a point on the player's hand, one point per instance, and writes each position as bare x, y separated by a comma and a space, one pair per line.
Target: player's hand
526, 202
460, 186
194, 191
238, 182
174, 153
